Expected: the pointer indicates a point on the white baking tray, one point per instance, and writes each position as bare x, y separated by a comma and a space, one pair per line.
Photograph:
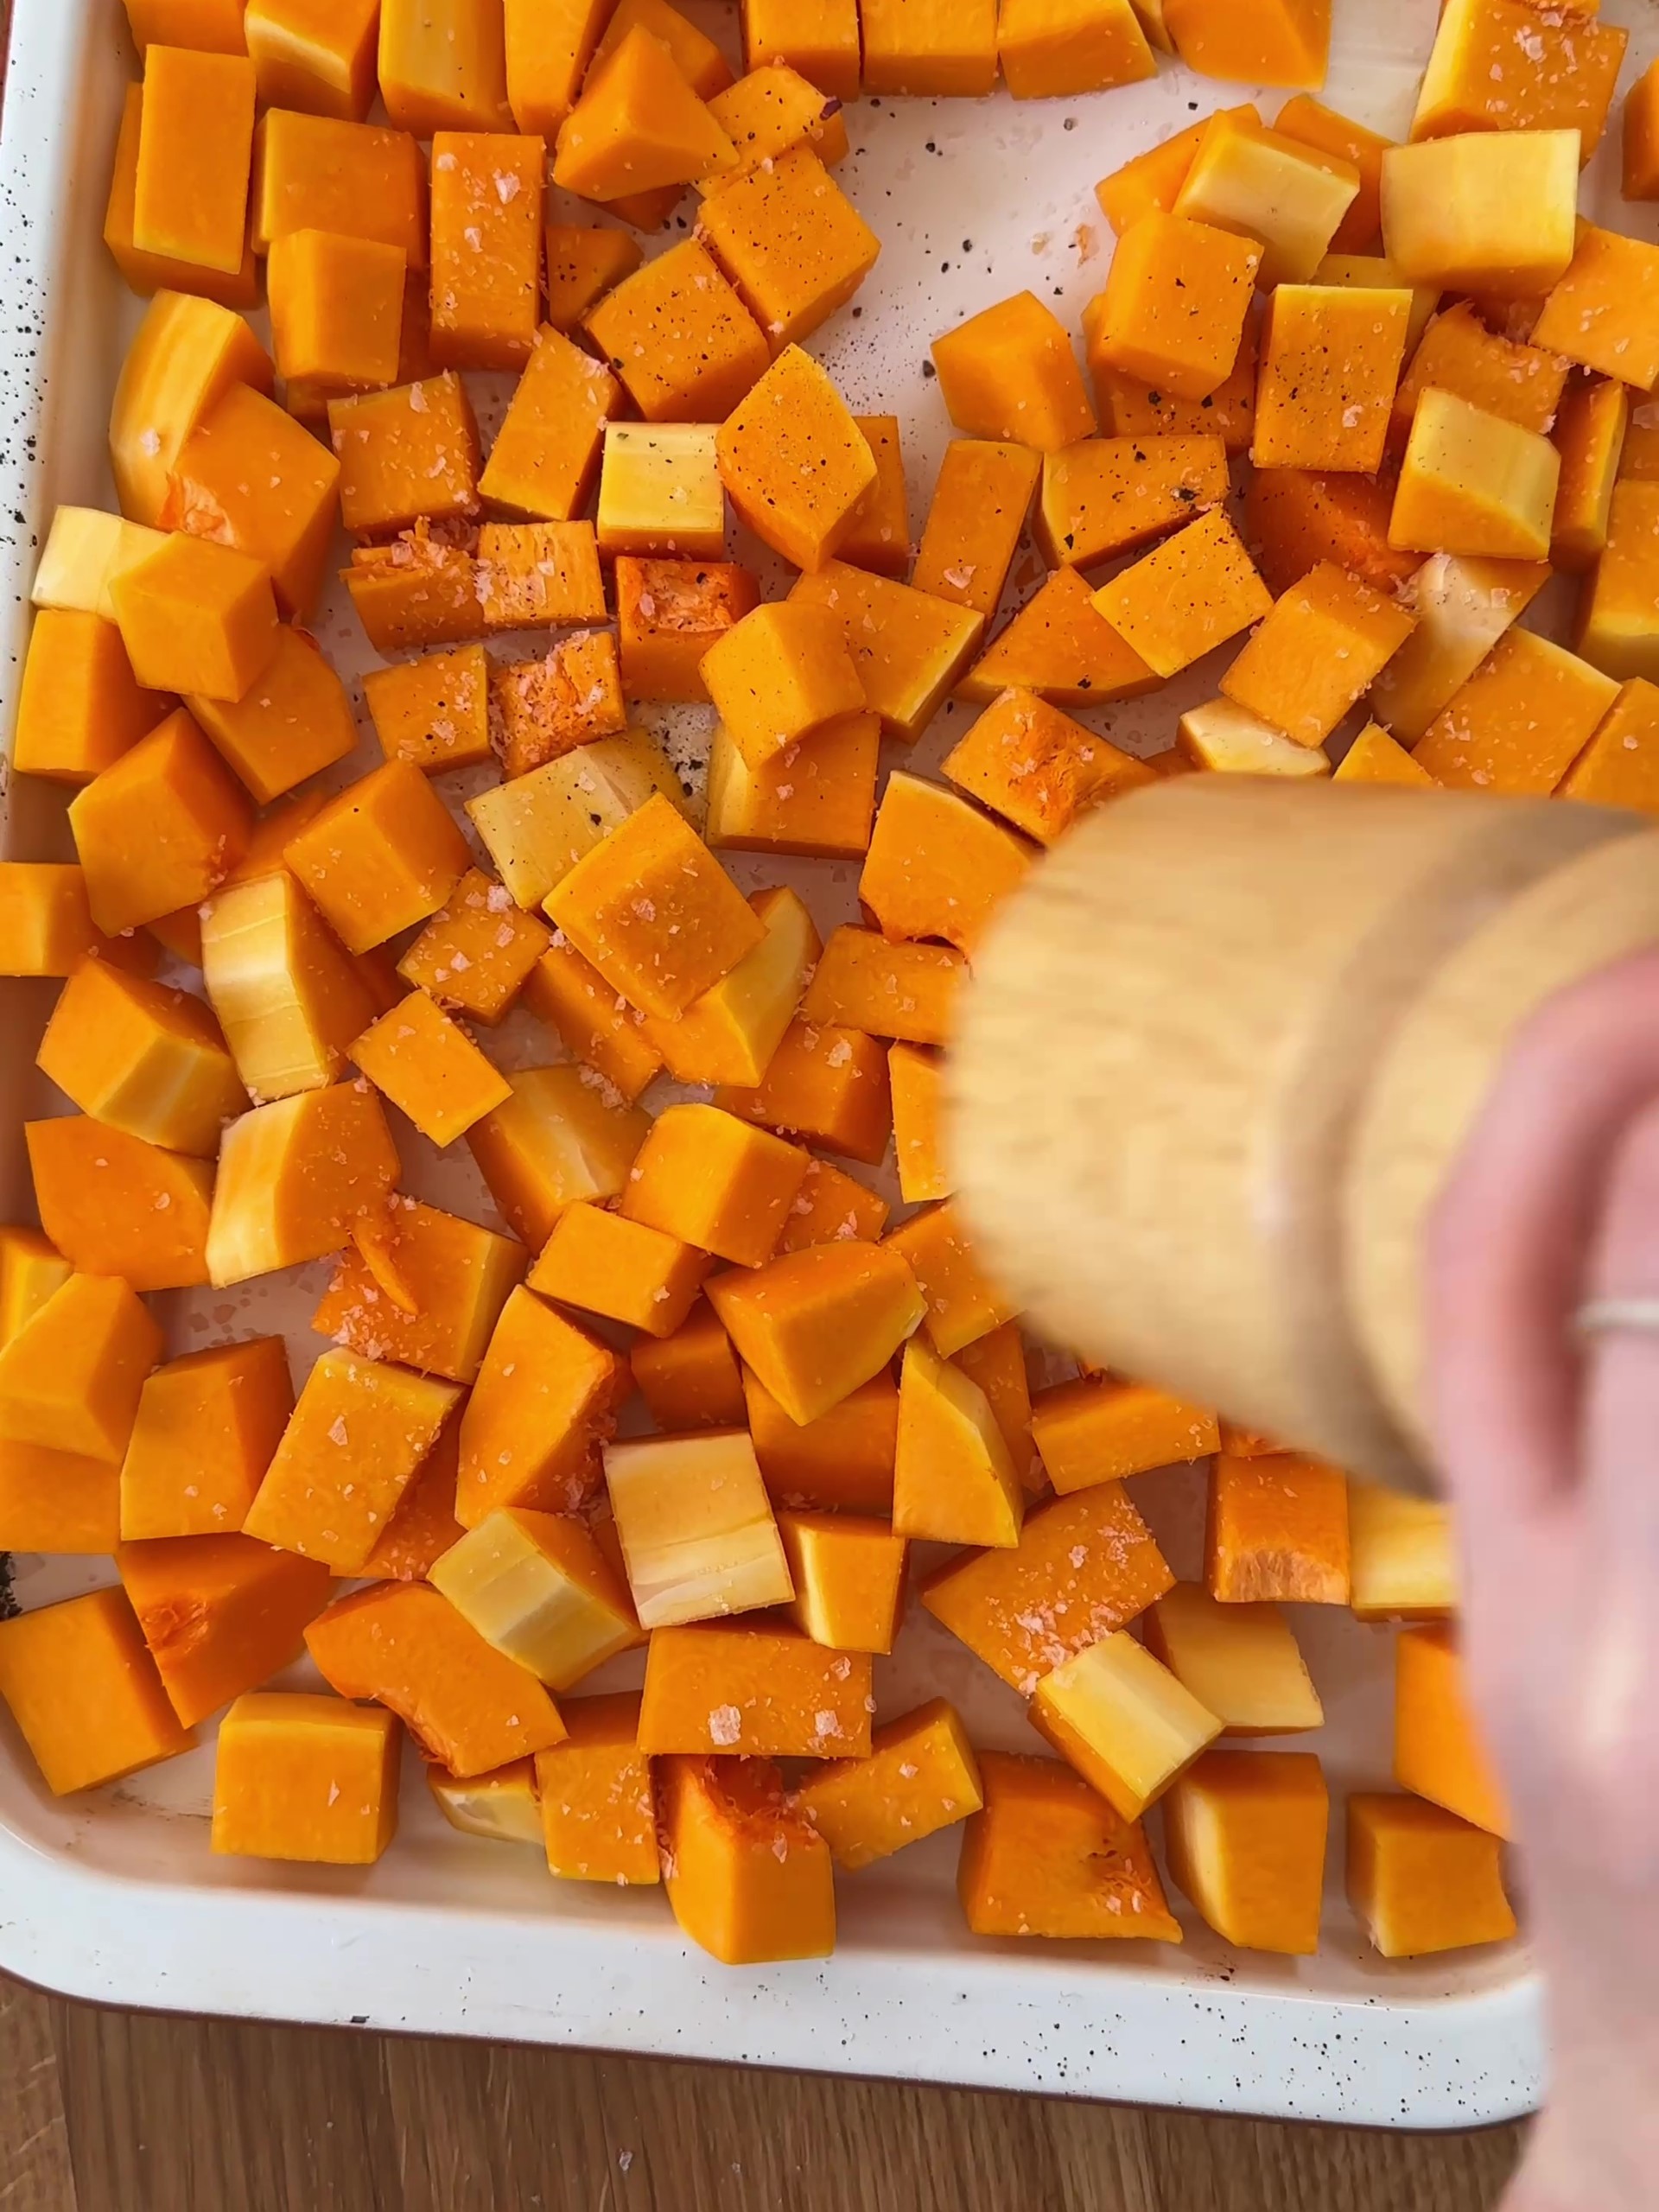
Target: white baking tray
115, 1895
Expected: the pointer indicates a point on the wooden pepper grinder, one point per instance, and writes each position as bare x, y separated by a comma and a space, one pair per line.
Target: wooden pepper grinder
1222, 1049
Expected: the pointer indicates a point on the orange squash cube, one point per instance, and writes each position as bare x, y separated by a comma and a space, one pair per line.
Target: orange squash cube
1046, 1855
486, 248
705, 1178
1617, 768
293, 1179
352, 179
1083, 1566
825, 1085
748, 1879
1616, 630
382, 855
1520, 721
31, 1268
561, 1138
443, 65
424, 1526
1010, 374
598, 1805
961, 1305
818, 37
1037, 767
196, 616
904, 992
479, 950
290, 1001
80, 706
1458, 353
981, 504
1190, 594
186, 352
1495, 67
1278, 1529
817, 1324
690, 1380
1122, 1721
1438, 1750
429, 1068
954, 1478
312, 55
794, 464
85, 1693
1240, 1661
148, 1060
1089, 1432
545, 1400
1422, 1880
731, 1032
1329, 377
220, 1614
997, 1363
58, 1502
1175, 303
849, 1578
755, 1690
790, 240
294, 721
336, 309
405, 455
909, 649
781, 674
580, 265
405, 1645
1106, 496
1245, 1831
70, 1378
456, 1277
114, 1205
831, 1206
305, 1778
419, 590
1323, 645
915, 47
1641, 137
1313, 124
249, 477
1083, 46
1472, 483
915, 1076
639, 124
538, 574
680, 338
921, 1777
1272, 43
546, 453
46, 925
1376, 758
880, 538
1296, 517
573, 998
434, 712
196, 157
670, 614
206, 1428
149, 273
1590, 432
936, 868
843, 1461
620, 1269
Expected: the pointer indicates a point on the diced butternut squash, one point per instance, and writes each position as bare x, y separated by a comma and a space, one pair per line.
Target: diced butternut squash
1495, 67
781, 674
849, 1573
639, 125
293, 1179
791, 241
1037, 767
352, 179
1641, 137
935, 867
997, 1363
955, 1481
598, 1807
538, 1588
197, 824
730, 1033
195, 615
1620, 764
920, 48
1131, 407
680, 338
219, 1613
186, 352
773, 109
70, 1378
696, 1527
86, 549
1240, 1661
572, 997
904, 992
909, 649
80, 706
1190, 594
114, 1205
1296, 517
560, 1139
1046, 1855
1278, 1529
443, 65
1422, 1880
405, 1645
454, 1280
1150, 182
1231, 741
1617, 629
817, 1324
1324, 645
434, 711
1590, 432
1462, 608
880, 538
961, 1306
620, 1269
756, 1690
921, 1776
249, 477
314, 56
980, 503
146, 1058
407, 453
148, 273
707, 1179
1010, 374
1285, 195
538, 826
1321, 127
85, 1693
1269, 42
1404, 1560
486, 248
428, 1066
748, 1879
1376, 758
915, 1075
825, 1085
1520, 721
794, 462
477, 952
843, 1461
381, 856
818, 37
1472, 483
1174, 306
1049, 51
580, 264
545, 1400
1245, 1833
668, 614
58, 1502
1330, 368
31, 1268
424, 1526
1125, 1723
1438, 1750
1108, 496
1483, 210
207, 1426
691, 1379
305, 1778
419, 590
290, 999
196, 155
293, 720
1089, 1433
660, 491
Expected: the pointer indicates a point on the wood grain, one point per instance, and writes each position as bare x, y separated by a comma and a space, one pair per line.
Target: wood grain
115, 2112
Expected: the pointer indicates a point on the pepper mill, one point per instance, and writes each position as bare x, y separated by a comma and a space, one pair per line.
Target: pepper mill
1222, 1049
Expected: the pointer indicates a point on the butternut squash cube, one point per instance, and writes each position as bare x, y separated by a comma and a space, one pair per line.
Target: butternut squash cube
1474, 483
774, 109
58, 1502
1484, 211
1188, 595
219, 1613
537, 827
981, 504
206, 1428
1438, 1750
1083, 1566
547, 58
1375, 758
905, 992
598, 1808
1296, 517
705, 1178
916, 1080
660, 491
478, 951
619, 1269
1287, 197
293, 722
961, 1305
1050, 52
921, 1777
403, 1644
314, 57
1404, 1559
1271, 42
406, 454
581, 264
1590, 431
486, 248
909, 649
428, 1067
1618, 766
560, 1139
1245, 1831
143, 1057
186, 352
359, 1432
545, 1400
936, 868
539, 576
1131, 407
1604, 314
419, 590
1641, 139
817, 1324
434, 712
1462, 608
573, 998
1037, 767
923, 48
668, 614
1278, 1529
1150, 182
696, 1527
1315, 124
1231, 741
825, 1085
539, 1589
1108, 495
1329, 373
841, 1462
196, 155
781, 674
249, 477
997, 1363
31, 1268
80, 706
443, 65
1323, 645
849, 1578
114, 1205
196, 616
791, 241
1494, 66
548, 708
1089, 1432
86, 549
1175, 303
818, 37
637, 125
85, 1693
1046, 1855
1240, 1661
148, 273
290, 1001
1458, 355
382, 855
424, 1526
195, 823
731, 1033
336, 309
754, 1690
455, 1279
1009, 373
70, 1378
305, 1778
1123, 1721
690, 1380
353, 179
1374, 272
954, 1480
1422, 1880
1520, 721
795, 463
294, 1178
1617, 630
680, 338
748, 1881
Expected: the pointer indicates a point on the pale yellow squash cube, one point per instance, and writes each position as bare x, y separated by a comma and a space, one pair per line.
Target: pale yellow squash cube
1258, 185
1492, 210
1241, 1660
659, 490
539, 1588
1404, 1554
730, 1033
1123, 1721
1474, 483
1230, 738
697, 1527
537, 827
500, 1806
1463, 608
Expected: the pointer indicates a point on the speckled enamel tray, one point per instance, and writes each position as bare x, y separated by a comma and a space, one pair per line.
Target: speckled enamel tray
115, 1895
